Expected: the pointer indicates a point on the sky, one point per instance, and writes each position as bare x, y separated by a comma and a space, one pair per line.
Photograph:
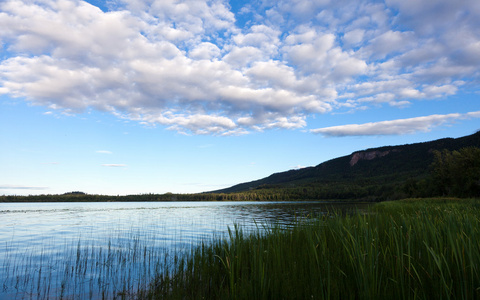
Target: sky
123, 97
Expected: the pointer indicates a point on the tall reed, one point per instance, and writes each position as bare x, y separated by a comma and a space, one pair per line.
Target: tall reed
414, 249
84, 270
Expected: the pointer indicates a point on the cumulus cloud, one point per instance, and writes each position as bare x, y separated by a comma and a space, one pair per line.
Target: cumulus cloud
395, 127
191, 67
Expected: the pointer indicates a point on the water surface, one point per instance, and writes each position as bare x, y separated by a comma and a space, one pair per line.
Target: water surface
89, 250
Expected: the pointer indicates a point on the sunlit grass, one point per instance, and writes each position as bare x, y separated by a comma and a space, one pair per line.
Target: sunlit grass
413, 249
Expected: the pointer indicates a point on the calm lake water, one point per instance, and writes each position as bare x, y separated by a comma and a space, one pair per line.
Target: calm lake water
95, 250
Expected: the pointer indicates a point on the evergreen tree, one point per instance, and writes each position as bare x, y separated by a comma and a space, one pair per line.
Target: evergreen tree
457, 173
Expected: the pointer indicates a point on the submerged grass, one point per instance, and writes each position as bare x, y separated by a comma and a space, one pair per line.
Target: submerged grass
411, 249
84, 270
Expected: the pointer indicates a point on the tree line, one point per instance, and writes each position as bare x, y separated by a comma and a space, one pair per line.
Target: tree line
452, 173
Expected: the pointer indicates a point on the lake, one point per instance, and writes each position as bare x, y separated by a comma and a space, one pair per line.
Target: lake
93, 250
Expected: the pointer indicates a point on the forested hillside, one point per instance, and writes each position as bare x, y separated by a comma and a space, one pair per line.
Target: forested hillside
388, 172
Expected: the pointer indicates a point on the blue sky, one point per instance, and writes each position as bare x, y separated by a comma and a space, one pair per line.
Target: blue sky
155, 96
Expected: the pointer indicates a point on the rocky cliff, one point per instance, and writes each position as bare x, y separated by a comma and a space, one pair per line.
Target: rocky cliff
368, 155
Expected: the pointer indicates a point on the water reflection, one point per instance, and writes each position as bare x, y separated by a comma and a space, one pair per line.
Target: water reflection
82, 250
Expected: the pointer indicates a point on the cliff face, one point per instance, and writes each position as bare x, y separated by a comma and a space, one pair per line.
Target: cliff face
368, 155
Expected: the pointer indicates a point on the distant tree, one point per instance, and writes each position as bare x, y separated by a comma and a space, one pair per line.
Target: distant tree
410, 187
457, 173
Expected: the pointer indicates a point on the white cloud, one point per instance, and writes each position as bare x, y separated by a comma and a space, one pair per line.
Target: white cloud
390, 42
205, 51
430, 17
261, 37
198, 124
21, 187
395, 127
114, 165
354, 37
240, 57
298, 167
189, 67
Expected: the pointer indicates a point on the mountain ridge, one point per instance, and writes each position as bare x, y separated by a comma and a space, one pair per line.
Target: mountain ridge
381, 164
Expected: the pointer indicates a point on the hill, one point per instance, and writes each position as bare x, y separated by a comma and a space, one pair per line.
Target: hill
376, 173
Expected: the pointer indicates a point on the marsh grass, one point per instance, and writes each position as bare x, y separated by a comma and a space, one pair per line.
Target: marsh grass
121, 269
412, 249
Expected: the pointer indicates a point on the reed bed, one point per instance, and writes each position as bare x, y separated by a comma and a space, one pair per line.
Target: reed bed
120, 268
412, 249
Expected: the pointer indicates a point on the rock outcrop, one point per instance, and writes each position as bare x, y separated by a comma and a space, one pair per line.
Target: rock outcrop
368, 155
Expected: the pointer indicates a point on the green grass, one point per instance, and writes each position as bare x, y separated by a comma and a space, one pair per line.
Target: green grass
411, 249
83, 270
